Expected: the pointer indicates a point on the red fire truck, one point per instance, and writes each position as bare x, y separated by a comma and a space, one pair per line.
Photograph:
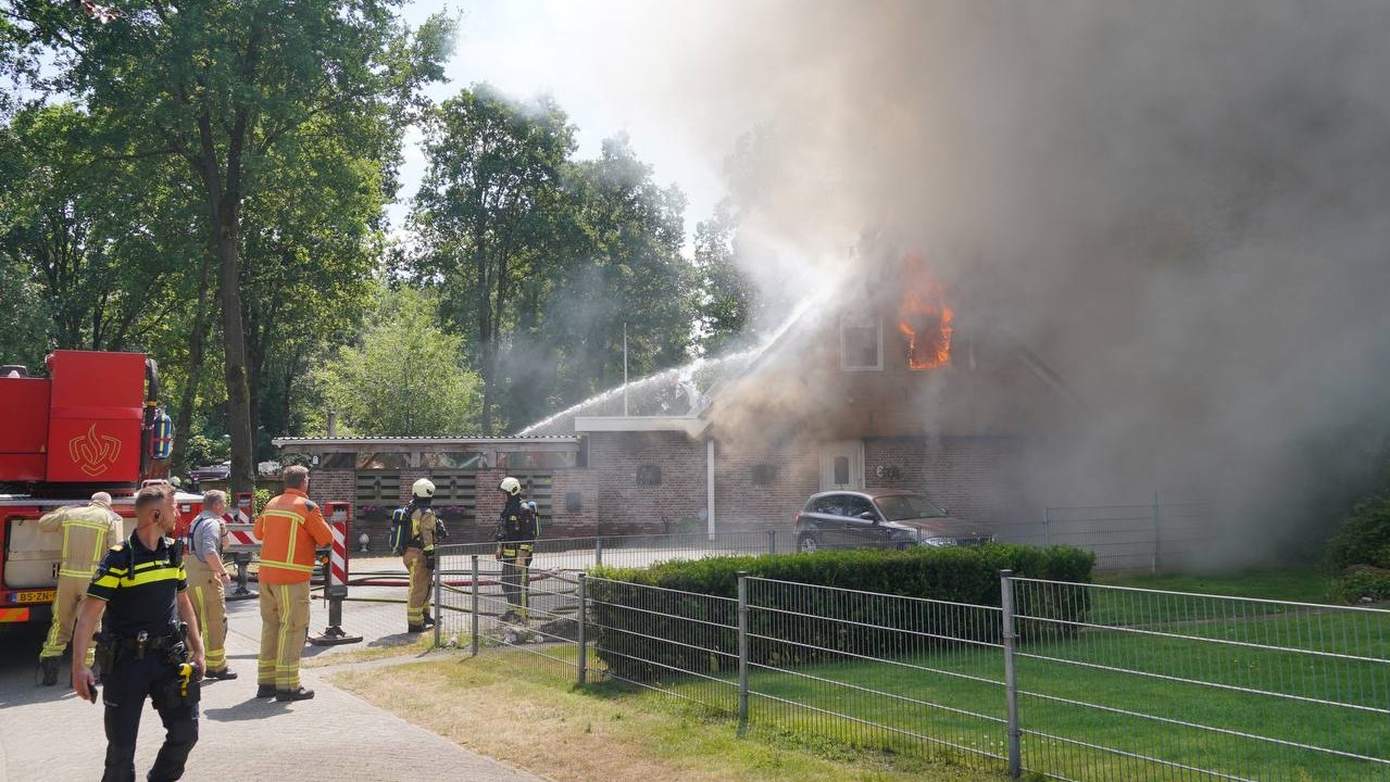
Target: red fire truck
92, 424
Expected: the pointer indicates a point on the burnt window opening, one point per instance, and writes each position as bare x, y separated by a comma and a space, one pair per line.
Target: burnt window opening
841, 470
861, 344
648, 475
764, 474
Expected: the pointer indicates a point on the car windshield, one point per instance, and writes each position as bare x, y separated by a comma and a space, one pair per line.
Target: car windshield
897, 507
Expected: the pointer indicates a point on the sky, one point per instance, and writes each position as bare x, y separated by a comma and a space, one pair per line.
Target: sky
581, 54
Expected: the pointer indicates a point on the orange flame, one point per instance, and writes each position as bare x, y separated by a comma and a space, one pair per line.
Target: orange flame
924, 317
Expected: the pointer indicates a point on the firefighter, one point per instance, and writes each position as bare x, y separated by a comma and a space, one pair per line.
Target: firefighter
88, 532
208, 579
149, 645
289, 527
419, 556
516, 534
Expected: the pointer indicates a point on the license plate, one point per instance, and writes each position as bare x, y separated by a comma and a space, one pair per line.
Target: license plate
35, 597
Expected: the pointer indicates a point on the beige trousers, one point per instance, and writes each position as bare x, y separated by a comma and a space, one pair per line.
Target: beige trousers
284, 627
71, 591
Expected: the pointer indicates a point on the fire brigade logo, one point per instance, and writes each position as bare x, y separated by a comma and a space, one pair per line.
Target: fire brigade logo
94, 453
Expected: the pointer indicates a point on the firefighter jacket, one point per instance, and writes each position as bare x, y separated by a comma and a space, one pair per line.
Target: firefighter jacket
422, 526
517, 522
88, 533
290, 527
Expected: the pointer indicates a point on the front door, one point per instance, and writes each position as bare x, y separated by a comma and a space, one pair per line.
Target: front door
842, 466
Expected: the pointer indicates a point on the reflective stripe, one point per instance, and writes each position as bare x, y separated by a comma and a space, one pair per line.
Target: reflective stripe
287, 566
76, 573
107, 582
162, 574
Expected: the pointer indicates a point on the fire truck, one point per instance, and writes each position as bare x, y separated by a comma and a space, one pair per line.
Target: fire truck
93, 423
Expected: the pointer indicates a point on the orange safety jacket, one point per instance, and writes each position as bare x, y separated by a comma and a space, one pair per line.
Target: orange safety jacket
289, 527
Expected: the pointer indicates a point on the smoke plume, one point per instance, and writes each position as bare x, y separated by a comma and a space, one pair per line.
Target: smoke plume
1182, 207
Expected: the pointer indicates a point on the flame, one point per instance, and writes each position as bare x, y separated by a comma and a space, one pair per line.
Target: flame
94, 453
924, 317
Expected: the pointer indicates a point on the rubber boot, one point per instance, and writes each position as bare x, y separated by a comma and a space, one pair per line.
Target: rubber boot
49, 667
300, 694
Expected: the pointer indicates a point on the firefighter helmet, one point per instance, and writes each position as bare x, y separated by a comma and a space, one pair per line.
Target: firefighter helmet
423, 488
510, 486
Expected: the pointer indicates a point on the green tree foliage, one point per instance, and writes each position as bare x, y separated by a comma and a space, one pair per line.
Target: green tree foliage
727, 296
224, 88
103, 237
406, 378
487, 214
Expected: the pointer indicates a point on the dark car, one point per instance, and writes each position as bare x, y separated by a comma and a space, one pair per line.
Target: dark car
881, 519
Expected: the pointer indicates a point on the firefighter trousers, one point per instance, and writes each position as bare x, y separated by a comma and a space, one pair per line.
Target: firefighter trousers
210, 604
516, 586
284, 627
421, 577
124, 690
71, 590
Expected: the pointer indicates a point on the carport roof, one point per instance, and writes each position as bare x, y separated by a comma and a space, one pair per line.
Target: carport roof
281, 442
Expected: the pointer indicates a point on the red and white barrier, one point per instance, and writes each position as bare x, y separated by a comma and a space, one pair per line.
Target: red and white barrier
240, 535
339, 517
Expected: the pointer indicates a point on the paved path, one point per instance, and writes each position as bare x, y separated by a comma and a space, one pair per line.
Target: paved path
46, 733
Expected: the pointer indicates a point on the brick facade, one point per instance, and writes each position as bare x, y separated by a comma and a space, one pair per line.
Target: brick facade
740, 503
623, 506
975, 478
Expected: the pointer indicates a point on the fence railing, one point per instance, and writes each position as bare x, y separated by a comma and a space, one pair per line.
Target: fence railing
1071, 681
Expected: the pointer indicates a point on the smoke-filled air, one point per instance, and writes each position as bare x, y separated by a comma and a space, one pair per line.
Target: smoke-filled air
1181, 207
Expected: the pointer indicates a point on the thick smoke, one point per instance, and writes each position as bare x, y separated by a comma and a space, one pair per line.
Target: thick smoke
1183, 207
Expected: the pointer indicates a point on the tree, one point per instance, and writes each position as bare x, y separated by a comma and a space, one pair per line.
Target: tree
406, 378
486, 211
630, 272
727, 295
102, 238
222, 86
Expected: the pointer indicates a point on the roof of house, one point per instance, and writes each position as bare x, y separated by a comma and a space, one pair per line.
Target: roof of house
281, 442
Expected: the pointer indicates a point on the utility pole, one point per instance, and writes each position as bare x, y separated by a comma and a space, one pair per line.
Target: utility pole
624, 369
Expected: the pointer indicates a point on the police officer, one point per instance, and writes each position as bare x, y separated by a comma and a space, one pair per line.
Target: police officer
419, 556
87, 534
516, 532
149, 645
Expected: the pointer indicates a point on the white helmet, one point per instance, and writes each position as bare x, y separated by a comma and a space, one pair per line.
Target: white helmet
423, 488
510, 486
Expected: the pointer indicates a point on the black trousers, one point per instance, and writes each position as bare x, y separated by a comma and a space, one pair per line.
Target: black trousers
126, 686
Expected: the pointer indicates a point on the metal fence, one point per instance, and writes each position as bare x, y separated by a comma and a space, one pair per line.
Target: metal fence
1155, 536
1070, 681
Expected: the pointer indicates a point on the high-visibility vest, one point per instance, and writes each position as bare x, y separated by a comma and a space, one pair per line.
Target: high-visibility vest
88, 532
289, 527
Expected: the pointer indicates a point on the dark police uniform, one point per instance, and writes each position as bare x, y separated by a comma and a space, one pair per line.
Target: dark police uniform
143, 647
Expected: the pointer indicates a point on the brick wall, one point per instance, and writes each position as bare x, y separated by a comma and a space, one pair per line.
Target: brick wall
625, 507
740, 504
974, 477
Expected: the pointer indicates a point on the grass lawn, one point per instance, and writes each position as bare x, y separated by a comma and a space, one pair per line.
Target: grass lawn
1306, 585
526, 711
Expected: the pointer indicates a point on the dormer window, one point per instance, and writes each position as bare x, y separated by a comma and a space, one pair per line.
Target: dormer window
861, 344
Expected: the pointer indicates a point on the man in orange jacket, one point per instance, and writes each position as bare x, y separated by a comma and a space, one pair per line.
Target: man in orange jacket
289, 527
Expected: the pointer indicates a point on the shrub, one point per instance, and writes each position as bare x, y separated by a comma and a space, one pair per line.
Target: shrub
1364, 538
1360, 582
796, 624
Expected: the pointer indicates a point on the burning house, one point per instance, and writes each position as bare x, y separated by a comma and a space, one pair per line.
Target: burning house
883, 385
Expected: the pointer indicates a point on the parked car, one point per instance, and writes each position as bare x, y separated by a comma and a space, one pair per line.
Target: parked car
211, 472
881, 519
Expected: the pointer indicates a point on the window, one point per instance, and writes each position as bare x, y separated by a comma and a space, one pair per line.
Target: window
764, 474
861, 344
454, 460
842, 470
649, 475
832, 505
343, 460
897, 507
573, 502
536, 460
383, 461
857, 505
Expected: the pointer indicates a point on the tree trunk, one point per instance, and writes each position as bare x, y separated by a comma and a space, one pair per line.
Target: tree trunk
196, 354
242, 477
487, 349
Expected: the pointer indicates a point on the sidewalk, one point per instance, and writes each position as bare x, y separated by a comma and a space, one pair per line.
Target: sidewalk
47, 734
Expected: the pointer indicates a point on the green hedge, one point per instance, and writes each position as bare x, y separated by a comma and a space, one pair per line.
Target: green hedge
647, 634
